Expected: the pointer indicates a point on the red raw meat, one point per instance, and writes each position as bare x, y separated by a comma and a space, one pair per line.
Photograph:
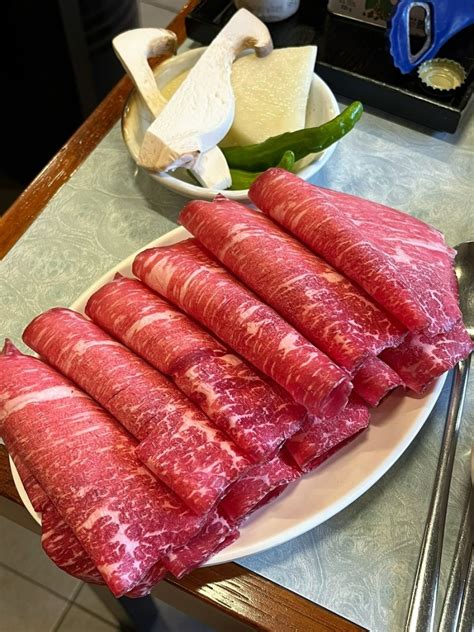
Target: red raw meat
187, 276
200, 475
33, 489
403, 263
64, 549
270, 497
321, 437
375, 380
331, 312
231, 394
216, 534
257, 487
150, 326
62, 546
178, 443
315, 463
57, 539
242, 404
125, 519
420, 358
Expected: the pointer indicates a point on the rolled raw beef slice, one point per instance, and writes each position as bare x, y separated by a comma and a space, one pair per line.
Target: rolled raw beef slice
34, 491
258, 486
104, 368
187, 276
329, 310
125, 519
318, 461
142, 589
215, 535
374, 380
243, 404
421, 358
403, 263
150, 326
321, 437
57, 539
64, 549
178, 443
230, 393
62, 546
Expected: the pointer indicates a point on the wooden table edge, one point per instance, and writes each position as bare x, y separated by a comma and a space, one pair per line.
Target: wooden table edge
252, 600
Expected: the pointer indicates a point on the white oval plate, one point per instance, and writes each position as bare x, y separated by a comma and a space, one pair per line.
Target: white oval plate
322, 107
337, 483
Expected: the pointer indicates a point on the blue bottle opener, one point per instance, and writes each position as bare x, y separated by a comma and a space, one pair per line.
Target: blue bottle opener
443, 19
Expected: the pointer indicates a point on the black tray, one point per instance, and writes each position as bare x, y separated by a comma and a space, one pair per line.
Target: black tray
354, 59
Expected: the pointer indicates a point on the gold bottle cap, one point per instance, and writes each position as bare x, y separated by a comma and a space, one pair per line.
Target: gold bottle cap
442, 74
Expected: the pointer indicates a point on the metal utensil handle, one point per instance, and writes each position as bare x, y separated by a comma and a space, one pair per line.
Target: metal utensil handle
467, 605
423, 598
458, 574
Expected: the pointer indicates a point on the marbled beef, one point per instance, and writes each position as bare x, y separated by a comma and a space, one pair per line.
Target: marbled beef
228, 391
323, 305
177, 442
403, 263
186, 275
124, 518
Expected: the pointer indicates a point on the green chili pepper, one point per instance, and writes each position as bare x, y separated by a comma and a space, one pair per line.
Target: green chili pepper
302, 142
243, 179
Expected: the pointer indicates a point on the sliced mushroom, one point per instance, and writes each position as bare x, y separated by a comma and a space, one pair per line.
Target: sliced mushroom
201, 111
133, 48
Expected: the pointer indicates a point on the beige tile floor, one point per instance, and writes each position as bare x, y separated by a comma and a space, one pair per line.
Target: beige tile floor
35, 596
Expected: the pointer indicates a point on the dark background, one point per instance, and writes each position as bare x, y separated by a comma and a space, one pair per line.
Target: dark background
56, 65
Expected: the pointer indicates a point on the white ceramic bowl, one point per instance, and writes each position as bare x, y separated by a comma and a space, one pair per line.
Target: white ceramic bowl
322, 107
